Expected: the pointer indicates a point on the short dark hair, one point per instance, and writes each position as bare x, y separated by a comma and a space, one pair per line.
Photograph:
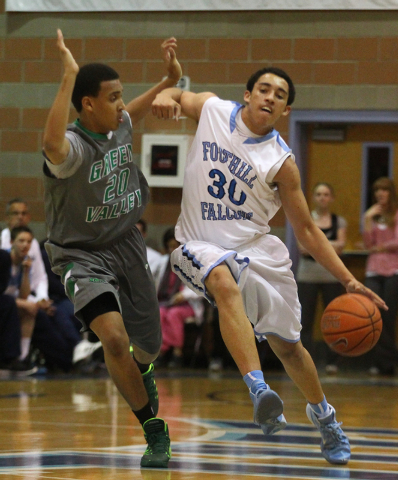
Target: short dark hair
279, 73
88, 82
168, 235
11, 203
17, 230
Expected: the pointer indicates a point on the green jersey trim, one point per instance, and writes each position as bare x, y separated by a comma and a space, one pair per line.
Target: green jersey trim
98, 136
69, 281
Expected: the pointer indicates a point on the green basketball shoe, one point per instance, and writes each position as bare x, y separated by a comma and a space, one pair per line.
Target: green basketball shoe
158, 452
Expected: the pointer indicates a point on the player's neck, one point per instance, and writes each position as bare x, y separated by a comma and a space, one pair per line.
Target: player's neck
85, 126
261, 130
89, 125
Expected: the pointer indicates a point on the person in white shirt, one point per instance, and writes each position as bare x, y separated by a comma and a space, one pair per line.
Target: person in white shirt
41, 322
17, 215
239, 172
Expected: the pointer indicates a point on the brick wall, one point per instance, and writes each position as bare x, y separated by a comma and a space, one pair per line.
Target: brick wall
333, 63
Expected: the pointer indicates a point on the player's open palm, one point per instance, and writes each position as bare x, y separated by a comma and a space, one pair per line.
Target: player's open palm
68, 61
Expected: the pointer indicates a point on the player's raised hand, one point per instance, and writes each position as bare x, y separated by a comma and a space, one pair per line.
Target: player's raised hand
174, 70
70, 65
354, 286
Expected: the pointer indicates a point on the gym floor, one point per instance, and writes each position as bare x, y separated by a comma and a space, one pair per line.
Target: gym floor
70, 427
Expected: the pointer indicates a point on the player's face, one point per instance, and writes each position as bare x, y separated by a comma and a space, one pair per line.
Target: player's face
323, 197
18, 215
266, 103
21, 244
106, 110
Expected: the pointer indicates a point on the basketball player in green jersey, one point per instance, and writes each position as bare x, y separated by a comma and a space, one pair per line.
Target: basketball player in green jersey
94, 196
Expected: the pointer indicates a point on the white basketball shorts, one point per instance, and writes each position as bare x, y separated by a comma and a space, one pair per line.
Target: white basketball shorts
262, 270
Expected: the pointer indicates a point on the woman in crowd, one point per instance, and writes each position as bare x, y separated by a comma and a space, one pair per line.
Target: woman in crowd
380, 235
312, 278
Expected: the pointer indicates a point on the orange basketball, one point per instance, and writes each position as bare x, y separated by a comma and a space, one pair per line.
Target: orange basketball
351, 324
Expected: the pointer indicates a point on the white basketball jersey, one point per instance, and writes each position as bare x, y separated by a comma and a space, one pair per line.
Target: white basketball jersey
228, 195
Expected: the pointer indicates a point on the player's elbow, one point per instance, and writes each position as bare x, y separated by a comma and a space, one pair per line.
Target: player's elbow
56, 152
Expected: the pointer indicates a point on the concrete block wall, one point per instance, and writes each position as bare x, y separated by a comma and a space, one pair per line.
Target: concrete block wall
338, 60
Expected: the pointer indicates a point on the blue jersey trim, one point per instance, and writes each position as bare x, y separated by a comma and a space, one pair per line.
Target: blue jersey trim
232, 119
251, 140
263, 336
265, 138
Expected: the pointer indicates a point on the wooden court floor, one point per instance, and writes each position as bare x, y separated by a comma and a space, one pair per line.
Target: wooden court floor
80, 428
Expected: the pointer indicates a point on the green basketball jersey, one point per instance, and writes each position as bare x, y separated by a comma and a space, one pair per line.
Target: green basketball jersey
104, 198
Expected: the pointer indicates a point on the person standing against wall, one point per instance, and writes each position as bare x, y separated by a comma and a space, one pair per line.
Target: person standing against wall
312, 278
380, 236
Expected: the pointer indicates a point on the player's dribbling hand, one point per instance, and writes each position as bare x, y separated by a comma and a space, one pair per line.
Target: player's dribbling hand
357, 287
70, 65
174, 70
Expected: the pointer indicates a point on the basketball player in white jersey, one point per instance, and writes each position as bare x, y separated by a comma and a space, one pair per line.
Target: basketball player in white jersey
239, 172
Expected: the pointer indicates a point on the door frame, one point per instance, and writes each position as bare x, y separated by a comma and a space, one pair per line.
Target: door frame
298, 141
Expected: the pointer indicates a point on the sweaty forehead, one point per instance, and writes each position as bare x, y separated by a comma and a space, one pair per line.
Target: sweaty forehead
274, 81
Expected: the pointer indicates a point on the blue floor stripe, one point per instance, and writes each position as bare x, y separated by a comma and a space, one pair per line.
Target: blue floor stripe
301, 440
70, 460
301, 428
245, 450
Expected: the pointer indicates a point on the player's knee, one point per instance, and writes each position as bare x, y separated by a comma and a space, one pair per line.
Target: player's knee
115, 342
221, 284
291, 352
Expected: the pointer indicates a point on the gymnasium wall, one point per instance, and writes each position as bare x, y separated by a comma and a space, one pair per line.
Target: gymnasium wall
338, 60
340, 164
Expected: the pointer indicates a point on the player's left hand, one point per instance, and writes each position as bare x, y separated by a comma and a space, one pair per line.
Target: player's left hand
357, 287
174, 70
70, 65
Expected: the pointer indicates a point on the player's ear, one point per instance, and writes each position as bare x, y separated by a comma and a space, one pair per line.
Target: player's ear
246, 96
87, 103
286, 111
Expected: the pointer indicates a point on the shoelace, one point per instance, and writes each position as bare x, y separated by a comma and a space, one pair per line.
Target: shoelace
258, 392
334, 432
157, 442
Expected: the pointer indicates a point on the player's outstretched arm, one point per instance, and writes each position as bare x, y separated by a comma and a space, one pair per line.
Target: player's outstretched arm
309, 235
141, 105
172, 102
55, 145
